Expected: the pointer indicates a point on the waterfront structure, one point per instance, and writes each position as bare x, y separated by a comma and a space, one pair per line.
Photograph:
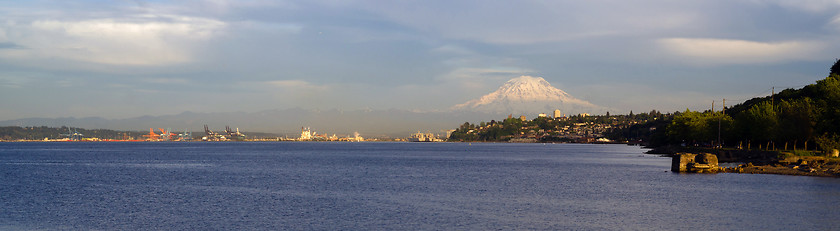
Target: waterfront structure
212, 136
185, 136
238, 136
152, 136
305, 134
357, 137
423, 137
73, 135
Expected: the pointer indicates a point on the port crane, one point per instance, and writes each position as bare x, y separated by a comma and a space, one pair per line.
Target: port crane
166, 134
228, 135
152, 135
212, 136
234, 135
73, 135
185, 136
208, 132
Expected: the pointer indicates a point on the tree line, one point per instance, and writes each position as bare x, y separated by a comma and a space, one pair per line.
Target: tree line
41, 132
794, 119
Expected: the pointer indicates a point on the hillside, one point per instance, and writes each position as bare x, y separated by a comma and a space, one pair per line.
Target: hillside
793, 119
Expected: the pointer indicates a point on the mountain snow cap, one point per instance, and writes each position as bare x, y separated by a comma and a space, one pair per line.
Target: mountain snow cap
527, 94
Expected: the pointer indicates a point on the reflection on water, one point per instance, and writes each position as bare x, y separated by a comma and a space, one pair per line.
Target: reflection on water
390, 186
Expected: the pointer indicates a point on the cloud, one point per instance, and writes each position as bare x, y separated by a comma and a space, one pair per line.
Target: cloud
450, 49
625, 97
139, 40
166, 81
479, 78
289, 28
726, 51
835, 22
9, 83
533, 22
9, 46
815, 6
297, 85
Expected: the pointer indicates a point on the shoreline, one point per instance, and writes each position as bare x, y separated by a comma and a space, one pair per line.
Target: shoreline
795, 170
763, 162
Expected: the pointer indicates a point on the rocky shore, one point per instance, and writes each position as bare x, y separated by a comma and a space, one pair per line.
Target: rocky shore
817, 166
760, 162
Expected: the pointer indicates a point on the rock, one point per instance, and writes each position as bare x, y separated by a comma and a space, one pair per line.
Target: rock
706, 158
698, 163
679, 163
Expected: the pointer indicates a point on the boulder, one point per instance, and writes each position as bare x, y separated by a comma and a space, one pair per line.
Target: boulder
680, 162
698, 163
706, 158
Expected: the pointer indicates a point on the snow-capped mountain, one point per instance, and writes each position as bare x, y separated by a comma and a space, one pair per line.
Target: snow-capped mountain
529, 95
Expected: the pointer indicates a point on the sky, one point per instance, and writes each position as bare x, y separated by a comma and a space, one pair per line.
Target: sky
123, 59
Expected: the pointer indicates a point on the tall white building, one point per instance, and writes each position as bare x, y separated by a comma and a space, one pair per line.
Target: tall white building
305, 133
557, 113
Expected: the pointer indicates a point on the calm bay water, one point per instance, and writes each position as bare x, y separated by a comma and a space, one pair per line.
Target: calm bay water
364, 186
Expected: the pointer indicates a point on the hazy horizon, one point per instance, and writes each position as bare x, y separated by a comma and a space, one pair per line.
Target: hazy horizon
128, 59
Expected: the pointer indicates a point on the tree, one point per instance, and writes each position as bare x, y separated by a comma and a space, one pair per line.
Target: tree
543, 123
828, 142
835, 69
796, 120
759, 122
828, 96
688, 127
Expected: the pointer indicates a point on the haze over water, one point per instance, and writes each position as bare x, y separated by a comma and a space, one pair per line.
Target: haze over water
363, 186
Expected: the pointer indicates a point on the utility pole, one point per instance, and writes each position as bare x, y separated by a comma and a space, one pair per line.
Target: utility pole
713, 107
722, 113
713, 113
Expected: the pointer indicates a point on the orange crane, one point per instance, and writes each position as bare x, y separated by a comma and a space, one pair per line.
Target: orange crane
152, 135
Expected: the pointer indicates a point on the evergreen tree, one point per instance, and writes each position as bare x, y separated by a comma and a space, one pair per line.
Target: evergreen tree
835, 69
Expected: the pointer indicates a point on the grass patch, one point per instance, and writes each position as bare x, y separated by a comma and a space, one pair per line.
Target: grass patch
792, 153
806, 153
